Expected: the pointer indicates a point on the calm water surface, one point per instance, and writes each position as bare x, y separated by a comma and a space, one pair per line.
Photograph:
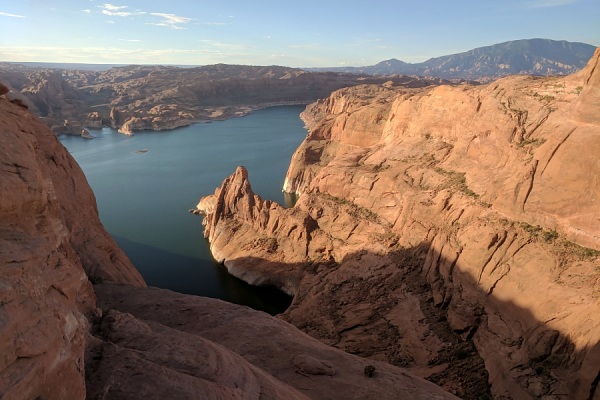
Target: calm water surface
144, 198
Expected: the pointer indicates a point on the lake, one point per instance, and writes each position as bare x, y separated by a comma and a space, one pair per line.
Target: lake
144, 197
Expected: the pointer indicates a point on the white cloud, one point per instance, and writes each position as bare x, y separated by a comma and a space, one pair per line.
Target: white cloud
115, 11
87, 11
11, 15
167, 20
130, 40
111, 7
170, 20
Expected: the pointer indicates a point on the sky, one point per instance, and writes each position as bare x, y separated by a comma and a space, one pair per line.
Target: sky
305, 33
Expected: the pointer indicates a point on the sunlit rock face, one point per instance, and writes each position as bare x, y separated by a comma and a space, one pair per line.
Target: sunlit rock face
63, 339
450, 230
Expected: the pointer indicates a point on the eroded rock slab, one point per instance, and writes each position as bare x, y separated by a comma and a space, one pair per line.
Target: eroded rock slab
157, 330
454, 227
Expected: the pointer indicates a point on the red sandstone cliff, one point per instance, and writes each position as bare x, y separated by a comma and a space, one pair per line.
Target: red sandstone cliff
62, 339
434, 220
50, 237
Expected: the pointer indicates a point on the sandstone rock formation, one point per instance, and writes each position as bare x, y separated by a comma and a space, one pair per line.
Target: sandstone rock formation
435, 222
135, 98
50, 237
142, 342
153, 339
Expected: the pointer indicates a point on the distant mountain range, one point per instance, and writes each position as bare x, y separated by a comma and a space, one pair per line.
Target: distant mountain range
527, 56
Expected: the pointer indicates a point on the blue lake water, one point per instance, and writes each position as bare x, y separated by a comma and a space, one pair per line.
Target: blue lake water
143, 198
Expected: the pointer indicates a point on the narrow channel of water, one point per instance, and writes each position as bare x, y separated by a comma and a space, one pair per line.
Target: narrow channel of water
144, 196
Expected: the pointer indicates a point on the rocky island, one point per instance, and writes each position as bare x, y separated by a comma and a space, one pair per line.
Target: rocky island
451, 231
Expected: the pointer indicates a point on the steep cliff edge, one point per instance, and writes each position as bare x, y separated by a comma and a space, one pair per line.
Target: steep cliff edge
62, 339
441, 219
51, 236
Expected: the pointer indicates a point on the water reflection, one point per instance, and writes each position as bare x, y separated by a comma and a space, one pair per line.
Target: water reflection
221, 285
289, 199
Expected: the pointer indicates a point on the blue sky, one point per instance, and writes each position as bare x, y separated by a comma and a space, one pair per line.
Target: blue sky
305, 33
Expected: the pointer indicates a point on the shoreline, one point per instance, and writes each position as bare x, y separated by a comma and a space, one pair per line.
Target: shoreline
237, 112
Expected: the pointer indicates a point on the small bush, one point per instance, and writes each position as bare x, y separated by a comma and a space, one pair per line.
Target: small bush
534, 230
549, 236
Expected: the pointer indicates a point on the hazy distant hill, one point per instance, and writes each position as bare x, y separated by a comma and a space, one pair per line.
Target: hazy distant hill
138, 97
528, 56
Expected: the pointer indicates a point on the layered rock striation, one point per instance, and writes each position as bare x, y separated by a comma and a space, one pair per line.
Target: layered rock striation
440, 229
62, 338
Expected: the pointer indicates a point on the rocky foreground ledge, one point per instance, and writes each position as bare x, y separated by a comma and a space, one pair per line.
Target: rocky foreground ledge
154, 343
452, 231
62, 338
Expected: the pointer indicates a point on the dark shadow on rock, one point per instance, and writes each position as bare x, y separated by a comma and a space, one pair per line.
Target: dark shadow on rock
154, 343
437, 324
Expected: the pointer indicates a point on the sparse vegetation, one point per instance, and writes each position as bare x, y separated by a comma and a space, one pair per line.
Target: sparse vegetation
532, 142
584, 253
456, 180
355, 210
533, 230
552, 236
578, 89
549, 236
545, 97
389, 238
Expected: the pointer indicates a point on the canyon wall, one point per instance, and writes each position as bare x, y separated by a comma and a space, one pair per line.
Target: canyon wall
51, 236
440, 229
62, 338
